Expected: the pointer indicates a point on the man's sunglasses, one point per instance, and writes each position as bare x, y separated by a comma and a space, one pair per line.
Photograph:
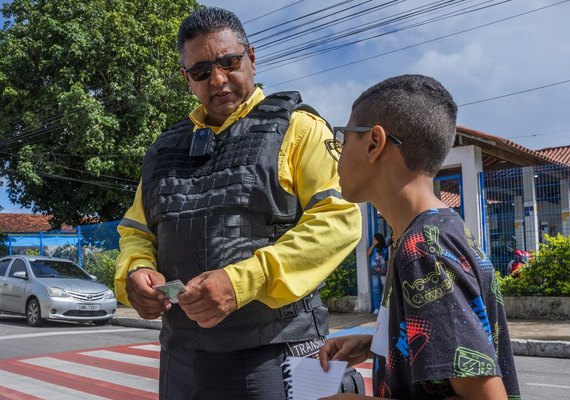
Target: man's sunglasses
334, 146
203, 69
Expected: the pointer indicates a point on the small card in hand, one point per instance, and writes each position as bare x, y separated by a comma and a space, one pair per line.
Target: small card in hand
172, 289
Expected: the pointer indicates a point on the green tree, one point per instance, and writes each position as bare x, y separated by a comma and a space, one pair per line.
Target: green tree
4, 250
342, 281
546, 274
86, 87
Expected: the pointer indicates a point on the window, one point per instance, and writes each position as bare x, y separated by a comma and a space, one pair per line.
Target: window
57, 269
18, 265
4, 267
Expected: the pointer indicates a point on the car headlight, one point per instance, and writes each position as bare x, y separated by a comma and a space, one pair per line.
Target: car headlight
109, 294
56, 292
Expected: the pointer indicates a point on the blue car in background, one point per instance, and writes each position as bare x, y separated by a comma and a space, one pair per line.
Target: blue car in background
45, 288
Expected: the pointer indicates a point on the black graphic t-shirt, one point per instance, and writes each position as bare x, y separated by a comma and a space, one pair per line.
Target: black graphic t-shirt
444, 314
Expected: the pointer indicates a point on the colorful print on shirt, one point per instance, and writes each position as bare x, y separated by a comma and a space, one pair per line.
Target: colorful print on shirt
446, 317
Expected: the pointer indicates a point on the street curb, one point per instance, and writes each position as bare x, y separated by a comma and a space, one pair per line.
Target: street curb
520, 347
540, 348
137, 323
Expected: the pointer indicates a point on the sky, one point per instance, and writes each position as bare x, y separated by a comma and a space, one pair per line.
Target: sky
506, 63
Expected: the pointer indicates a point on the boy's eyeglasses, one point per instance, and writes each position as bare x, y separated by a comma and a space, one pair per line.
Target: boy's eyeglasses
334, 146
203, 69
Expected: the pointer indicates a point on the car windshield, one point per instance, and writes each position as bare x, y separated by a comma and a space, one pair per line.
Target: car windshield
57, 269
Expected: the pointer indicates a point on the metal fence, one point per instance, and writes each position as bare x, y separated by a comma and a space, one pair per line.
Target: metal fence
73, 244
522, 205
449, 189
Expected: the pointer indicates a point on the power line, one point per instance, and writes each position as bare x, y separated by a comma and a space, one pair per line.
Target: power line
298, 56
302, 17
415, 45
104, 184
272, 12
107, 185
289, 36
549, 133
514, 93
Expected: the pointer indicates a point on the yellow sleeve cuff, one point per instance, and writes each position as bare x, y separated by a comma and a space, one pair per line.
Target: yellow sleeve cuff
141, 264
251, 279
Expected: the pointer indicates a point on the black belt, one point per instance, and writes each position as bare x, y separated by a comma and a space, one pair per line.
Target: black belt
306, 304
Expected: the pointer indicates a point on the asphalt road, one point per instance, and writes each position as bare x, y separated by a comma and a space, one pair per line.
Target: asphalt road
539, 378
17, 339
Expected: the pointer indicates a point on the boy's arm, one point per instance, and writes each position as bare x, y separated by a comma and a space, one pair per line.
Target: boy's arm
479, 388
352, 348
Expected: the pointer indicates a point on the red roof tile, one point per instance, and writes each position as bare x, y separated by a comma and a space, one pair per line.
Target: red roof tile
537, 156
452, 200
561, 154
24, 223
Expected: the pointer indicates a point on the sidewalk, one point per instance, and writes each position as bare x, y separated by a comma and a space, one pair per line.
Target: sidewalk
528, 338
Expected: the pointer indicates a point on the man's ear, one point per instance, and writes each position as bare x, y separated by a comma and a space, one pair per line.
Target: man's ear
251, 56
185, 75
187, 78
377, 143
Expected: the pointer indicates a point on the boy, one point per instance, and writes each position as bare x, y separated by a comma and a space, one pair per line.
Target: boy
441, 330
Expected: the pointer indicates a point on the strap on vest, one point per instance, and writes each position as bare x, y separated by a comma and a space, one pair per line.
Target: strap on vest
306, 304
277, 105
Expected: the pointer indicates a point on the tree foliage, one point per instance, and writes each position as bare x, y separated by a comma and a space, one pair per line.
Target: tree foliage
4, 250
547, 272
342, 281
86, 87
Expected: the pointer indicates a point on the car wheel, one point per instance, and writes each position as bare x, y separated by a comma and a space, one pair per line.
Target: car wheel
34, 313
101, 322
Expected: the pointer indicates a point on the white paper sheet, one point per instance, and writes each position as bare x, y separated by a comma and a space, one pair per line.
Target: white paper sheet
308, 381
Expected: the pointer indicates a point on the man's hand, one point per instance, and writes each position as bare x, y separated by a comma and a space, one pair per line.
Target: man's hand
209, 298
148, 302
352, 348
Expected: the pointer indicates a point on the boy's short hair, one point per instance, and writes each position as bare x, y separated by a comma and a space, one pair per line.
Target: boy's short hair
416, 109
209, 20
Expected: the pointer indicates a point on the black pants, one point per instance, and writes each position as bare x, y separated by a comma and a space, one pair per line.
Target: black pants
252, 374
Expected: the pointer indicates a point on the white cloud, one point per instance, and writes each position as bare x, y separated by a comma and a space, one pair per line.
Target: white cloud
333, 100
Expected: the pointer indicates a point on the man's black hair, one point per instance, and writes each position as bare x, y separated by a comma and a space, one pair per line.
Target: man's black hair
416, 109
208, 20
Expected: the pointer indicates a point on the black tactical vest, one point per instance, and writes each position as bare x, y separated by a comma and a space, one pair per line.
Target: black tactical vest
212, 200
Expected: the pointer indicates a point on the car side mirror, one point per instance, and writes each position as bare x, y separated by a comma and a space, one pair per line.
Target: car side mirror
20, 275
93, 277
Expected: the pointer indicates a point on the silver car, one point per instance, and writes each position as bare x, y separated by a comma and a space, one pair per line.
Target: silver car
44, 288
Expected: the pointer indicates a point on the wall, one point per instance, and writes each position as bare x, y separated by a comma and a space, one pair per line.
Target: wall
530, 308
539, 308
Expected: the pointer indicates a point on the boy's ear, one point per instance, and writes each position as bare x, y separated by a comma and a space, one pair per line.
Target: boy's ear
377, 143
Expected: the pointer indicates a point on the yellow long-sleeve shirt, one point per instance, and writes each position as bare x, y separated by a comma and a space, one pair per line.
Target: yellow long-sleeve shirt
304, 256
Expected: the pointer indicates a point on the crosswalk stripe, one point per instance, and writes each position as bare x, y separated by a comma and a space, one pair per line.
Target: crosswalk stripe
40, 389
149, 372
125, 372
65, 333
106, 389
9, 394
128, 380
366, 373
149, 347
128, 358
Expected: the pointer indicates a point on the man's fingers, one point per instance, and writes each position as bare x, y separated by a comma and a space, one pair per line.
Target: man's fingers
191, 295
210, 322
148, 302
196, 309
204, 312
